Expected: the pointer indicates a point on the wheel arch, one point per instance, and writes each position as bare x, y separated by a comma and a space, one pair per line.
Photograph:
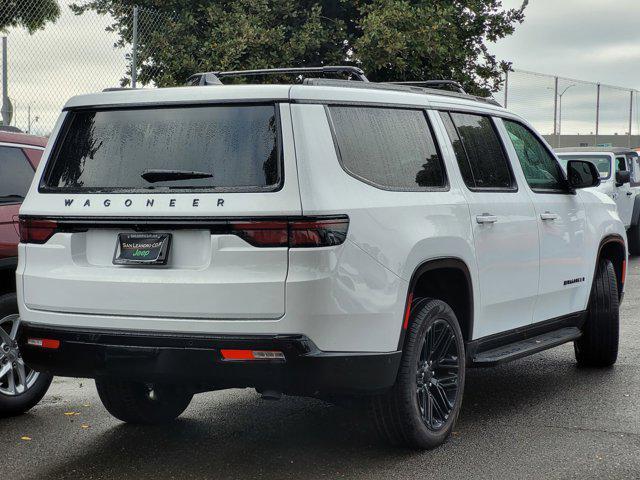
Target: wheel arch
431, 279
613, 248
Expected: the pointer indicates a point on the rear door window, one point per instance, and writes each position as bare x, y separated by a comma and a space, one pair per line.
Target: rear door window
389, 148
229, 147
16, 174
481, 158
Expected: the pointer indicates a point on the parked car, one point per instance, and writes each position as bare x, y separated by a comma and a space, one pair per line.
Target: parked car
619, 179
327, 238
20, 387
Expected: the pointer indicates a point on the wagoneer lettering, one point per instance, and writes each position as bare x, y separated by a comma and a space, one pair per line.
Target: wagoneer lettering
150, 202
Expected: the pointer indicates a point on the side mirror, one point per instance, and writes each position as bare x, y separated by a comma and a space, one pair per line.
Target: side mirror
622, 177
582, 174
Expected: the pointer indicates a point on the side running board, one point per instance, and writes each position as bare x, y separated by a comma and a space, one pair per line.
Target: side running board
525, 347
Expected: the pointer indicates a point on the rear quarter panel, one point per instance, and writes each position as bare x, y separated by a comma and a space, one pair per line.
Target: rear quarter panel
396, 230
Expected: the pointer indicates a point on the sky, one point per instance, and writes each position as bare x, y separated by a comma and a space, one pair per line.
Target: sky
589, 40
595, 40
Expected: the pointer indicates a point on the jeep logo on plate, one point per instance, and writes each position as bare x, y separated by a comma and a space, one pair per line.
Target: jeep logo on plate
142, 248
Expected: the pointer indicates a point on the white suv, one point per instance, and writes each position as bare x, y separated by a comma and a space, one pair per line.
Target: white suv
619, 170
328, 238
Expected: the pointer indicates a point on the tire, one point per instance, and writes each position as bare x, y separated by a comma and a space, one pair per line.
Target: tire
401, 415
141, 403
38, 383
598, 345
633, 240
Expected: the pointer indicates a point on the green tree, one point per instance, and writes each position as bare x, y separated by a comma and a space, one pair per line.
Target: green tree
389, 39
30, 14
437, 39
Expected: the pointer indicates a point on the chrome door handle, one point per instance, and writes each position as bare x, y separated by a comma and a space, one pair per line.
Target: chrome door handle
486, 218
549, 216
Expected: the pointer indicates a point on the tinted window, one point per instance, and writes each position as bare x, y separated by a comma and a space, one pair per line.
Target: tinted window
389, 148
621, 164
15, 174
110, 149
602, 162
540, 168
482, 161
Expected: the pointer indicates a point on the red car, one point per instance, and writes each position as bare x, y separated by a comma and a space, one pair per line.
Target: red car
20, 387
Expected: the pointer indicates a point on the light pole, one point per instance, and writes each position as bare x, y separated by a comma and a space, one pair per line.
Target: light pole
560, 110
29, 122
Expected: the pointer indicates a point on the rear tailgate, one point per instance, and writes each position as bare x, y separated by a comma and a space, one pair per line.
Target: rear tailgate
93, 189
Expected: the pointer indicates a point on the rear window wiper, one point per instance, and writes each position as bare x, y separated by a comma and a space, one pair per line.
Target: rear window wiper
158, 175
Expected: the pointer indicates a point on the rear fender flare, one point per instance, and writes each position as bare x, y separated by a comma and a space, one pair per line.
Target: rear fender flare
430, 265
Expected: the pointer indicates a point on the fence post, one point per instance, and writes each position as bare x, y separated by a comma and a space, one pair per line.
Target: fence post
134, 51
6, 114
597, 115
556, 134
630, 117
506, 87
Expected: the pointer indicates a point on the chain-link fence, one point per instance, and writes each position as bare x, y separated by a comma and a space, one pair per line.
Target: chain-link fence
574, 113
71, 55
84, 52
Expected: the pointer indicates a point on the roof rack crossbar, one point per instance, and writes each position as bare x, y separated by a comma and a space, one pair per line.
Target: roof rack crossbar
213, 78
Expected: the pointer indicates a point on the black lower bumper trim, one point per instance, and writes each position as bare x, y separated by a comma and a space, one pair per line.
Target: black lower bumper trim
195, 360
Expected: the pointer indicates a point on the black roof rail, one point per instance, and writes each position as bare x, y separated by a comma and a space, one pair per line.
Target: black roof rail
443, 84
213, 78
116, 89
331, 82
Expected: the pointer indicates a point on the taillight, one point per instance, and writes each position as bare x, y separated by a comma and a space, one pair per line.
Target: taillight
268, 233
36, 231
305, 232
300, 233
318, 232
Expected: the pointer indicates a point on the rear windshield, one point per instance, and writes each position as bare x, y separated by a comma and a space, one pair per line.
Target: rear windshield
217, 148
602, 163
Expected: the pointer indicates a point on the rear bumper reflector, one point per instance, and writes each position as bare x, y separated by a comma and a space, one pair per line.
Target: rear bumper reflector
44, 343
249, 355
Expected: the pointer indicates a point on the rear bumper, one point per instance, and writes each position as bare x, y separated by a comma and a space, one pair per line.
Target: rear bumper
196, 361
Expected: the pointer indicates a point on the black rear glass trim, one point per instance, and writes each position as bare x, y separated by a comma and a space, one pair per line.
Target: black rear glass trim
43, 186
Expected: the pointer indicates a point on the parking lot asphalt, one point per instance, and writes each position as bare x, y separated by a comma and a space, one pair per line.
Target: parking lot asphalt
540, 417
